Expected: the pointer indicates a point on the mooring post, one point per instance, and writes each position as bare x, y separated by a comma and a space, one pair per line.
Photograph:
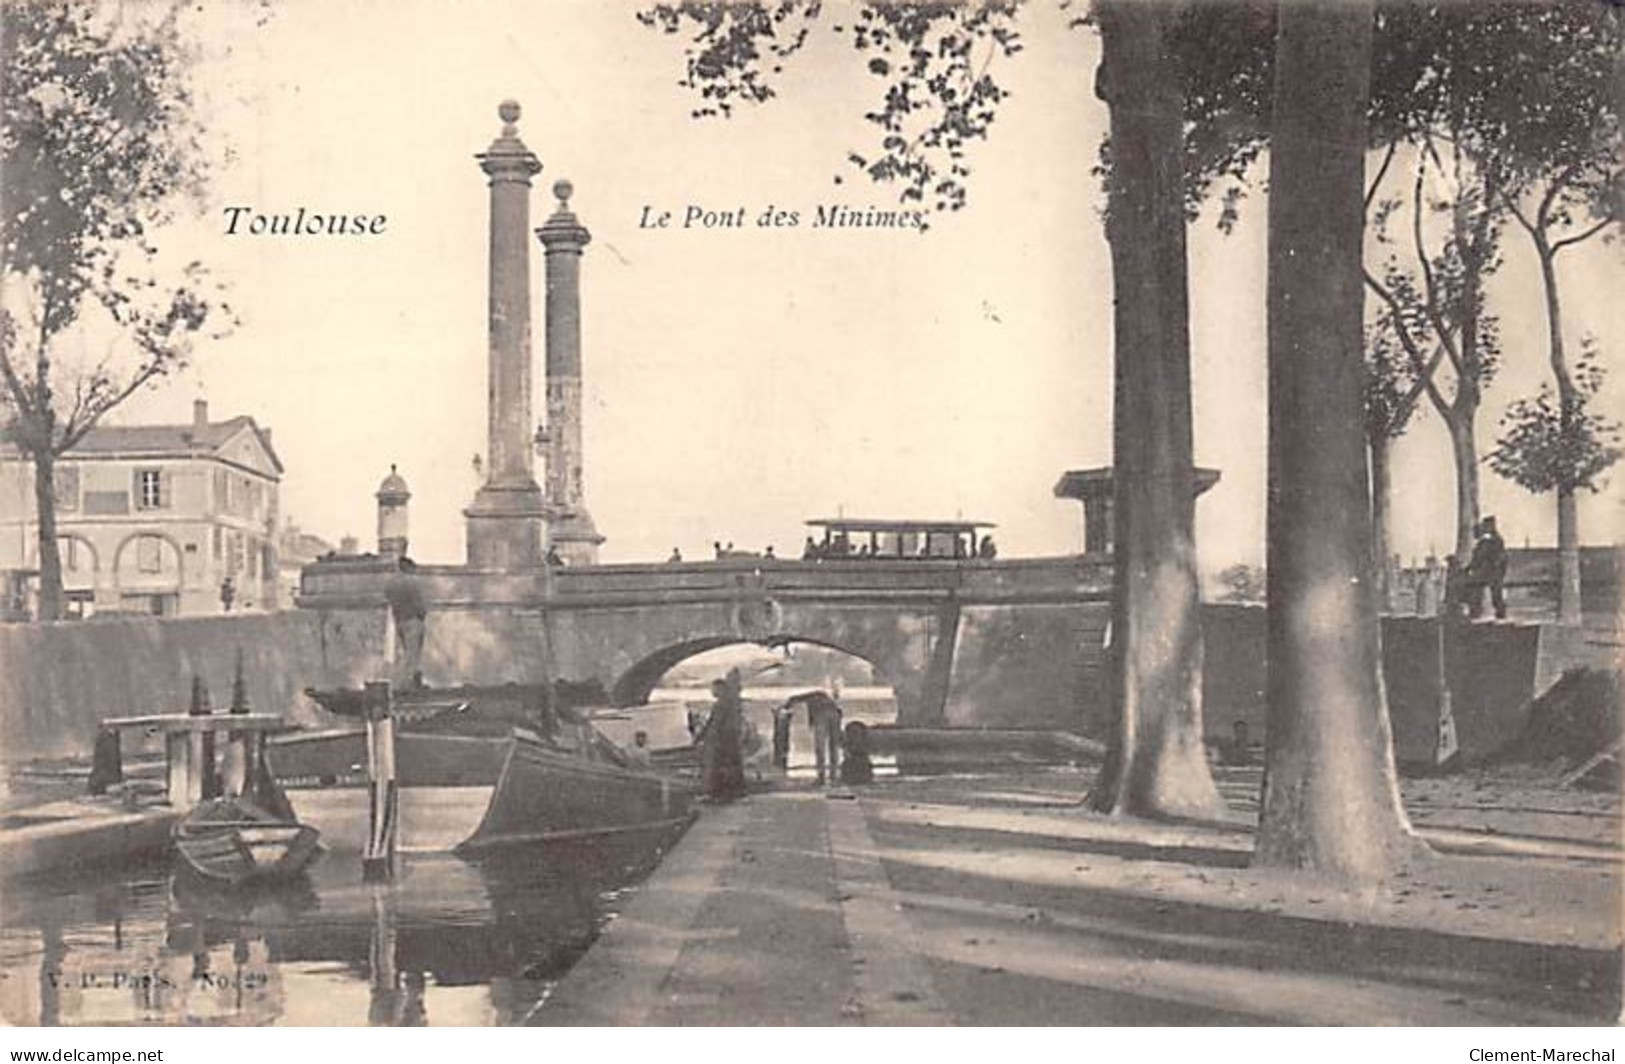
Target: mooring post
241, 746
178, 761
378, 861
202, 782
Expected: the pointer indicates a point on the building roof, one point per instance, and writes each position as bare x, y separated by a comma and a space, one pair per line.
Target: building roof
186, 439
1081, 483
394, 487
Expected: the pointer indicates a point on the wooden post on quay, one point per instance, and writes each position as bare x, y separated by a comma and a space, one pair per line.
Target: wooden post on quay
383, 821
201, 782
378, 861
241, 754
185, 787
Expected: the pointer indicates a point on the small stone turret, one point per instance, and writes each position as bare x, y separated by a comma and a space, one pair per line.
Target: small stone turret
392, 496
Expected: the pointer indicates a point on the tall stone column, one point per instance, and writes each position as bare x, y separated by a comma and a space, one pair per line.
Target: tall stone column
506, 519
570, 527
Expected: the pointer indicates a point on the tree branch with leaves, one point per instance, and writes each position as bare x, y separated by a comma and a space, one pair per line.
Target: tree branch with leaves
99, 148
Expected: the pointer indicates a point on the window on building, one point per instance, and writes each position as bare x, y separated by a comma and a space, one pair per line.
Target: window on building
67, 548
149, 554
217, 545
234, 553
149, 489
66, 484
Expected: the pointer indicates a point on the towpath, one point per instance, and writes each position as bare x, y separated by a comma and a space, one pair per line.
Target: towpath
997, 900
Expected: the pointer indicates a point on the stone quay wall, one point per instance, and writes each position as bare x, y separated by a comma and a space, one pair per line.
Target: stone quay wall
1016, 666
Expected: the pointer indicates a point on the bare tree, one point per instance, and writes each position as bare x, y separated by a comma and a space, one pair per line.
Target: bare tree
98, 144
1431, 296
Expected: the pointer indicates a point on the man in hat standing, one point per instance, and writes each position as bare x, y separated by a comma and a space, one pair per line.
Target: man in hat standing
1487, 569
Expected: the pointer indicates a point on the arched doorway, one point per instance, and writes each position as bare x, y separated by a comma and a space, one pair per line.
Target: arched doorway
81, 569
147, 572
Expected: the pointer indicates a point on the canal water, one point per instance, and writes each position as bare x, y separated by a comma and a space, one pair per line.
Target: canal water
448, 943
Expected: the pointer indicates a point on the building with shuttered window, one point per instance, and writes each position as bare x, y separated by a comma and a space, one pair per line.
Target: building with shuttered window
151, 519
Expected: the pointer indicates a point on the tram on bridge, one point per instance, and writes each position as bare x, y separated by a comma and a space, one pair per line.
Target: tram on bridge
865, 538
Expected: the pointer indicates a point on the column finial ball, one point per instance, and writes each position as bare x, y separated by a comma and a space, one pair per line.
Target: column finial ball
508, 111
563, 190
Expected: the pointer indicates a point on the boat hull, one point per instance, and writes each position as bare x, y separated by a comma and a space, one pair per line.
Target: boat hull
243, 854
548, 794
470, 793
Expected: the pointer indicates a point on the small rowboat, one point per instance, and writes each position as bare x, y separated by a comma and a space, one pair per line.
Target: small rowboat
232, 843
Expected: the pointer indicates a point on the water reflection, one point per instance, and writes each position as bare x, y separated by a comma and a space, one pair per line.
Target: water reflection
449, 942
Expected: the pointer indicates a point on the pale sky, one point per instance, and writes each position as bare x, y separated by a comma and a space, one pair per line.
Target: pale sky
739, 381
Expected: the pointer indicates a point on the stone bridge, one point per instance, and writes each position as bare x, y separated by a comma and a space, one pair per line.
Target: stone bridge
996, 644
1013, 642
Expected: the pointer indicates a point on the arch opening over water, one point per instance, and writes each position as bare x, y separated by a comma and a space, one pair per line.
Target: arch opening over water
669, 691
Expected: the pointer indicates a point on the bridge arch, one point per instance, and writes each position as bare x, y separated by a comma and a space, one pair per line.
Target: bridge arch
633, 686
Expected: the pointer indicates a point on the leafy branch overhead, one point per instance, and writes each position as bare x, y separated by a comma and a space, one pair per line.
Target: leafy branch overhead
939, 96
727, 44
99, 146
1545, 448
935, 63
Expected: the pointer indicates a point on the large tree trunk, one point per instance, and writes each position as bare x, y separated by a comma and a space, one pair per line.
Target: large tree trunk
50, 556
1568, 557
1157, 764
1475, 241
1464, 452
1568, 519
1380, 445
1331, 799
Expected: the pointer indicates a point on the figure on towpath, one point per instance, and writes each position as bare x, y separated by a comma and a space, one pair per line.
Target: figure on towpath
783, 717
722, 740
825, 715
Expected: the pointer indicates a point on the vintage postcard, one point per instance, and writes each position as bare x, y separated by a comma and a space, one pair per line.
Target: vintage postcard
529, 512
